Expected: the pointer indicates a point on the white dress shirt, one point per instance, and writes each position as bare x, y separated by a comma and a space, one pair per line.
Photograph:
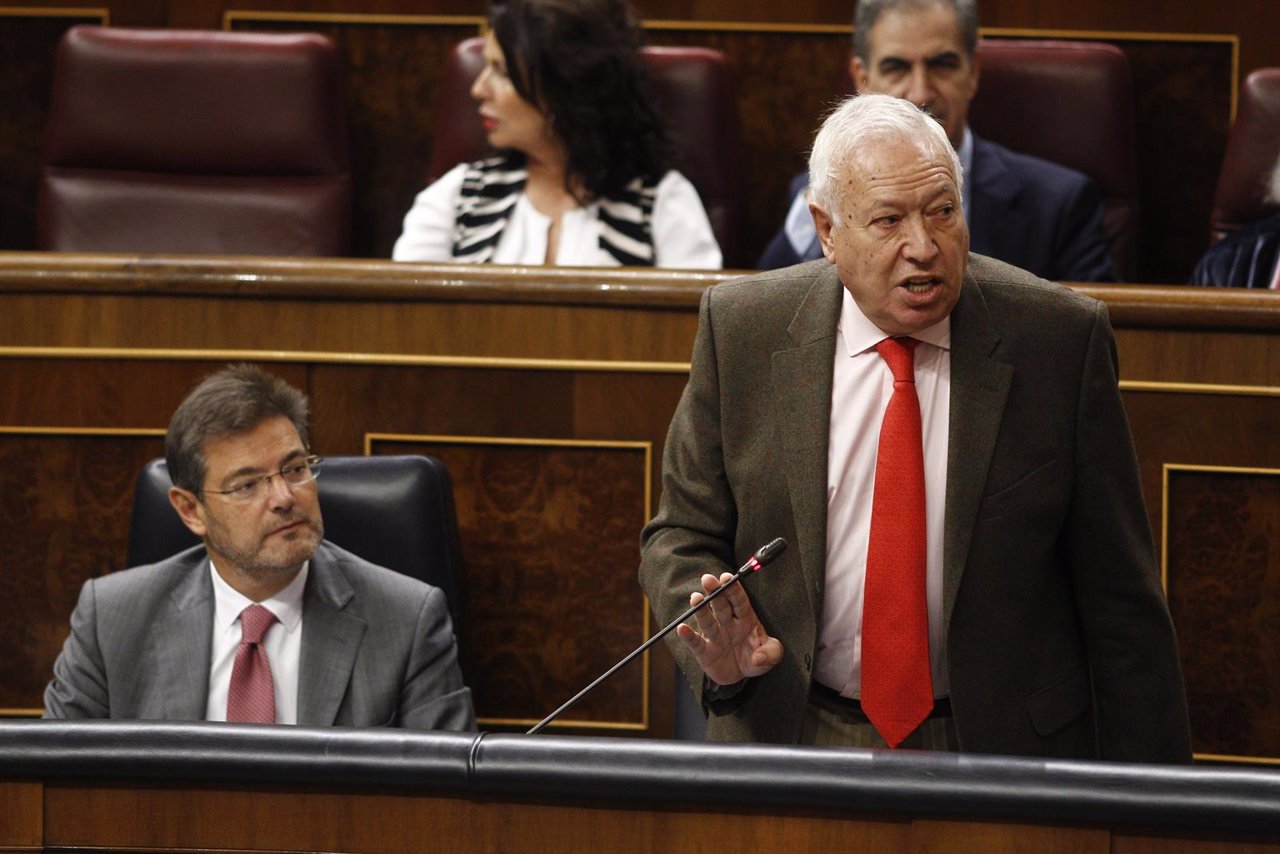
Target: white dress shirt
862, 386
283, 643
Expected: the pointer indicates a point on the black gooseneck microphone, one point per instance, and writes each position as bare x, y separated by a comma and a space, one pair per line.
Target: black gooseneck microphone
764, 555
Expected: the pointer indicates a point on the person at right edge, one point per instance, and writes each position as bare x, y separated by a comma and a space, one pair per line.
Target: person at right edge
940, 438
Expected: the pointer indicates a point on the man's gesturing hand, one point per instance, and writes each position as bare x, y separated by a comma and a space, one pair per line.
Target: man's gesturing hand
729, 641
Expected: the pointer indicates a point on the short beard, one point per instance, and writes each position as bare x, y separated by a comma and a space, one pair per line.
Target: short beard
250, 565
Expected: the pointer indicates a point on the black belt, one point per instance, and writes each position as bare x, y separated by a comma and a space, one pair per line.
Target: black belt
833, 699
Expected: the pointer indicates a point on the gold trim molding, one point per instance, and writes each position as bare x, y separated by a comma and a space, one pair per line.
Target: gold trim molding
100, 13
231, 16
1200, 388
330, 358
9, 430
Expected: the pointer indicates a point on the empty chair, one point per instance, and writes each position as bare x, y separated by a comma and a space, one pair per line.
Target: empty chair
195, 142
694, 89
1070, 103
395, 511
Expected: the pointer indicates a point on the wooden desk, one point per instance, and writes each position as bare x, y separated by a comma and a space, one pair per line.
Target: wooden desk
548, 393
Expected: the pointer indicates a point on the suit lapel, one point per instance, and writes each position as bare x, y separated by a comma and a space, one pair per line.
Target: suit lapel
802, 380
330, 641
979, 388
182, 644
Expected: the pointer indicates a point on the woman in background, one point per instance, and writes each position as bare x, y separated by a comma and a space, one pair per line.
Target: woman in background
582, 175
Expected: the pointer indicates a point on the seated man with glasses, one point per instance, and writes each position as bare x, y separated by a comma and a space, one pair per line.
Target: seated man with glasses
267, 622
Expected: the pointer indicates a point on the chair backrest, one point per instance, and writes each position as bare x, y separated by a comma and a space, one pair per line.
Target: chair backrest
695, 91
395, 511
1253, 147
196, 141
1071, 103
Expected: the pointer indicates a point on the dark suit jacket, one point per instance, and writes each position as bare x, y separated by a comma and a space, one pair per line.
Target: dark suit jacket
377, 647
1246, 258
1059, 642
1031, 213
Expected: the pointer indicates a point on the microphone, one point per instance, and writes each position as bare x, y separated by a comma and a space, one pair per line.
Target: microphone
757, 561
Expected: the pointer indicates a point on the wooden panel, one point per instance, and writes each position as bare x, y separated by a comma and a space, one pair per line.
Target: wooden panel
553, 473
550, 537
967, 837
186, 820
66, 505
1205, 844
1222, 571
1213, 532
1208, 356
21, 815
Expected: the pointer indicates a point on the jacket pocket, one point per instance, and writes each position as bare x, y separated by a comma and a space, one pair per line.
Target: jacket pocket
1027, 488
1059, 704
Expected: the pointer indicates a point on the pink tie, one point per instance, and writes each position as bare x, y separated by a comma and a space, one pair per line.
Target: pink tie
897, 688
252, 696
1275, 277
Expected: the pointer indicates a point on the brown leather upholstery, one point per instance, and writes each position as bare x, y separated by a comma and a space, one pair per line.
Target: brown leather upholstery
196, 141
695, 89
1253, 146
1070, 103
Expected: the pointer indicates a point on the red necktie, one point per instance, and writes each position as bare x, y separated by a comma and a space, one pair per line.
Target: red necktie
252, 696
897, 688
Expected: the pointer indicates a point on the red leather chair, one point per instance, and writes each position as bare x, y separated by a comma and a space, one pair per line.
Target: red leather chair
196, 142
1253, 146
1070, 103
695, 91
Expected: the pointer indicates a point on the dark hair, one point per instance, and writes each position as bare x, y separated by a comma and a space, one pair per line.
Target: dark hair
579, 62
869, 11
231, 401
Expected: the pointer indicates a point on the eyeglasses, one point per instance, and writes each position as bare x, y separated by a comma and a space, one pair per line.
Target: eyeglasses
252, 488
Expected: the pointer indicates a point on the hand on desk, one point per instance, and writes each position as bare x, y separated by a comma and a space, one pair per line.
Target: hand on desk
729, 642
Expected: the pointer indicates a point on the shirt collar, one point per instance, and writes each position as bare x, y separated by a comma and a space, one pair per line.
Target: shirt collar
859, 334
286, 604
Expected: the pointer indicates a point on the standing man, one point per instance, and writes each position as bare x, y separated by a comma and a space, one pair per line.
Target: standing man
1029, 212
940, 438
267, 622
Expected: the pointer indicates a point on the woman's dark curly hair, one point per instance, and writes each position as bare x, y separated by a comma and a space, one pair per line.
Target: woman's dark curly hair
578, 61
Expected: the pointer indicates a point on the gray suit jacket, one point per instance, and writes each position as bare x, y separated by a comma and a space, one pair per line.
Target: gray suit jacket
377, 647
1059, 642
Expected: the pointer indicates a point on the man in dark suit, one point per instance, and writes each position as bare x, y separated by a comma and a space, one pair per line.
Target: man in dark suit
1029, 212
338, 641
1037, 615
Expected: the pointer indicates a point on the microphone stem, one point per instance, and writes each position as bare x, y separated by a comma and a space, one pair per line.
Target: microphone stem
749, 566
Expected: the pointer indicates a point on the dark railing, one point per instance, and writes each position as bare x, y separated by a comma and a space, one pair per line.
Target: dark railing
652, 773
